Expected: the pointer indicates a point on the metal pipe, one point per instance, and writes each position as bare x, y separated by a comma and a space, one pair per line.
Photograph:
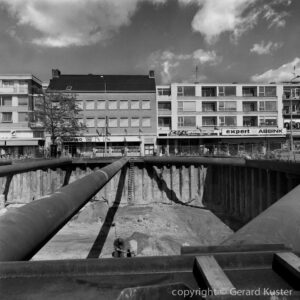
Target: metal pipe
196, 160
25, 230
31, 166
280, 223
5, 162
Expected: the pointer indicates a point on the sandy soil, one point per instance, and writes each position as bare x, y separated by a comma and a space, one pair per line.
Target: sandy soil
159, 229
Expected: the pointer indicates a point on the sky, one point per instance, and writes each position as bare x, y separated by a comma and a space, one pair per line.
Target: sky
181, 40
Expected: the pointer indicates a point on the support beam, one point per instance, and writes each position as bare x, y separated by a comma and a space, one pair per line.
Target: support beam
25, 230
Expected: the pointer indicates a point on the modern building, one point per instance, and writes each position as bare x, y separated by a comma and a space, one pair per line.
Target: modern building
119, 112
20, 135
291, 111
220, 118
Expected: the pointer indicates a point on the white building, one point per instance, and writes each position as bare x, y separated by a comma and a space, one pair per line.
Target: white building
19, 134
222, 118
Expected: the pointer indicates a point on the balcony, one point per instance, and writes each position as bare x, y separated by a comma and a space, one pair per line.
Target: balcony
35, 125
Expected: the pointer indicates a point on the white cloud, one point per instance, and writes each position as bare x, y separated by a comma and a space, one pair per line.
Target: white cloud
209, 57
62, 23
283, 73
215, 17
263, 48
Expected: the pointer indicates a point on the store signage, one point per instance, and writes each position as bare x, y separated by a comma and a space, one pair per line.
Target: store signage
253, 131
185, 132
75, 139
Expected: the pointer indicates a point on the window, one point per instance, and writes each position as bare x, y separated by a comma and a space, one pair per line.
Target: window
249, 121
209, 121
89, 104
135, 122
80, 121
227, 91
38, 134
146, 122
209, 91
113, 122
187, 121
209, 106
267, 91
124, 104
268, 121
7, 83
227, 106
164, 106
135, 104
227, 121
22, 116
146, 104
268, 106
185, 91
22, 101
7, 117
112, 104
164, 91
249, 106
6, 101
101, 122
101, 104
90, 122
164, 122
79, 104
249, 91
124, 122
187, 106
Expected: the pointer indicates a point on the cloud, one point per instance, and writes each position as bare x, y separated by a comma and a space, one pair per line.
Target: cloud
215, 17
283, 73
62, 23
167, 63
209, 57
263, 48
171, 66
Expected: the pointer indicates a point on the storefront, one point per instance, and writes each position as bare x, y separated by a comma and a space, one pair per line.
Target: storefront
227, 141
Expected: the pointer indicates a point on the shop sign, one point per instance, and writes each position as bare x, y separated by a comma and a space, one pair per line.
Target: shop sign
185, 132
75, 139
254, 131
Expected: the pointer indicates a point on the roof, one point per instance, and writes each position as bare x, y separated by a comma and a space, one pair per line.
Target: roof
102, 83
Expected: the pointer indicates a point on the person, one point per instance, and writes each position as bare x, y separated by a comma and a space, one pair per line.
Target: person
119, 248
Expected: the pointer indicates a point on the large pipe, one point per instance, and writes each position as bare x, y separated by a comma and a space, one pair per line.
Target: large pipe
280, 223
195, 160
31, 166
5, 162
25, 230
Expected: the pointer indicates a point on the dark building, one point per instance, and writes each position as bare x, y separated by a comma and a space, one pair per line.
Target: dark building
119, 112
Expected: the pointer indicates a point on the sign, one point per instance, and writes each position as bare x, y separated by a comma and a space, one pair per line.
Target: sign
253, 131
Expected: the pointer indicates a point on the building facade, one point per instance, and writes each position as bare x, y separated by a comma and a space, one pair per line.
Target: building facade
20, 135
220, 118
119, 112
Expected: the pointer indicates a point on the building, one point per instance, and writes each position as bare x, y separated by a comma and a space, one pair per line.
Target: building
291, 111
19, 134
220, 118
119, 112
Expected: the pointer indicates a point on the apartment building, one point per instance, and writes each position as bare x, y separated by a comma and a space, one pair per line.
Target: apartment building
220, 118
20, 135
119, 112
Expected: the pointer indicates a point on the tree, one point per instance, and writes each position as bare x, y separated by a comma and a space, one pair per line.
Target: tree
59, 114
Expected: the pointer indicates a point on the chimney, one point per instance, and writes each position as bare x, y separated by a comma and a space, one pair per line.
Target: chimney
55, 73
151, 74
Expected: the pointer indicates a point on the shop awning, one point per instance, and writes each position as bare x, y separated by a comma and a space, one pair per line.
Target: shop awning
17, 142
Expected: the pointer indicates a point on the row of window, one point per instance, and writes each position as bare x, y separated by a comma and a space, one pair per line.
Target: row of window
11, 83
118, 122
190, 121
6, 117
7, 101
114, 104
213, 91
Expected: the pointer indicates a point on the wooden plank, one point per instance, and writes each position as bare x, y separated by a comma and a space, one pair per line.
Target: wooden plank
289, 261
213, 275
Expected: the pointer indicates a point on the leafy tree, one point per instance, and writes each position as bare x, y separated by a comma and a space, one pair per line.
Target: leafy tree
59, 114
